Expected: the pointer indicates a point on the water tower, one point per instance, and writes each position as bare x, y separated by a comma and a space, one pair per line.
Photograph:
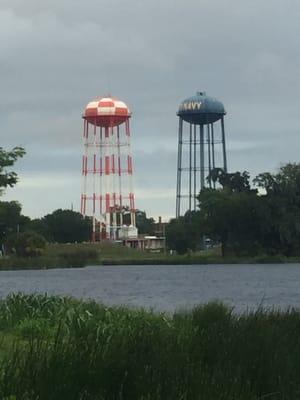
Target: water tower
201, 147
107, 169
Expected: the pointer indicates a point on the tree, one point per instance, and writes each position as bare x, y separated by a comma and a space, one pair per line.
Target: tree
11, 219
286, 181
234, 182
184, 233
282, 202
10, 212
39, 226
66, 226
26, 244
227, 215
232, 218
217, 214
145, 225
7, 159
247, 221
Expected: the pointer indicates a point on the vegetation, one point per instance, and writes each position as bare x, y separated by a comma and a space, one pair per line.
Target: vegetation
246, 221
184, 233
11, 220
10, 212
60, 348
62, 226
7, 160
145, 225
83, 254
27, 244
65, 226
248, 224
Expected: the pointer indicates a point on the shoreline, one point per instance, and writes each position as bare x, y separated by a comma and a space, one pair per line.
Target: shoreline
78, 255
42, 263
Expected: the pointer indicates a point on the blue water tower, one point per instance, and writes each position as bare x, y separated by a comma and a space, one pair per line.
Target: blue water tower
200, 135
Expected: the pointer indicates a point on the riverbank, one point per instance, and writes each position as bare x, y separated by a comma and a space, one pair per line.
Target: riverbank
54, 347
83, 254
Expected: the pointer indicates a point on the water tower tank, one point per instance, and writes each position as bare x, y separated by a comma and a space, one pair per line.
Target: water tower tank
106, 112
201, 109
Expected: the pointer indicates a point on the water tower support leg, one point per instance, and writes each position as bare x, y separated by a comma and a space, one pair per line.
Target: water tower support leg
213, 150
201, 157
179, 168
224, 145
190, 168
209, 154
195, 168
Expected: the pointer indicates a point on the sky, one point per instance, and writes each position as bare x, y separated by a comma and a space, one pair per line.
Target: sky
57, 55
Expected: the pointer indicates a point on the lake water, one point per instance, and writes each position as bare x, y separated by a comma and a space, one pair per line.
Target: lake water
166, 288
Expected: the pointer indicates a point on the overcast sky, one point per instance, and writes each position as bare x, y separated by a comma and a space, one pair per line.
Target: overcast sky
57, 55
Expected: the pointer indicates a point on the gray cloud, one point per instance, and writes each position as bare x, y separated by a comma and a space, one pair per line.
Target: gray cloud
57, 55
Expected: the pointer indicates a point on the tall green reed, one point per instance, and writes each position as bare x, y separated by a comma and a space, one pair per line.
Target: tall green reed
61, 348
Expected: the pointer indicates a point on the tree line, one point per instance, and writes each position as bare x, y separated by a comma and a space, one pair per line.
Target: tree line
60, 226
245, 219
29, 236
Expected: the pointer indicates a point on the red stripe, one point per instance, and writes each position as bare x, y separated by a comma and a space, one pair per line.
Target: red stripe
91, 112
113, 163
121, 111
106, 165
107, 202
106, 104
129, 163
94, 171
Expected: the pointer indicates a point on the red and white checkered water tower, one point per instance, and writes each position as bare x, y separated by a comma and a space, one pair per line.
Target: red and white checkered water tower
107, 191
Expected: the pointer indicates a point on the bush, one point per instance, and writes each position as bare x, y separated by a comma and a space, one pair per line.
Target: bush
79, 257
26, 244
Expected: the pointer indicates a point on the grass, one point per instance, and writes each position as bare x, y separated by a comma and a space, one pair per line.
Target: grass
59, 348
82, 254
